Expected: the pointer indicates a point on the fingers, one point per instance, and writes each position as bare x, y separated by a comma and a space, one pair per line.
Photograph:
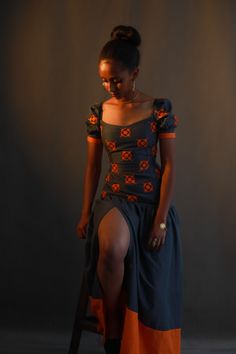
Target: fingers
156, 242
81, 232
153, 243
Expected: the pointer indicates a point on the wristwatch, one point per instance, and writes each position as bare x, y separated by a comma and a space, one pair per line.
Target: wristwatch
163, 226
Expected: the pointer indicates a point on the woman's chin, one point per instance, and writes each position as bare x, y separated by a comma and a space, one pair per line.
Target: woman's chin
116, 95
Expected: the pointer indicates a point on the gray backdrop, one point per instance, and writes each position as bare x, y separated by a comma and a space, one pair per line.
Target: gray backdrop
49, 79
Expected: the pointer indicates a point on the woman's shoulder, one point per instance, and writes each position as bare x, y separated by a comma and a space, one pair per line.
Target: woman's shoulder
144, 97
163, 103
96, 108
159, 103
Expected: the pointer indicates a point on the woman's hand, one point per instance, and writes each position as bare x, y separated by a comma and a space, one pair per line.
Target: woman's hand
157, 237
81, 227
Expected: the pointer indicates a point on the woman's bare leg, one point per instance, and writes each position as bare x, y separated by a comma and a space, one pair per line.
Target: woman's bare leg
114, 238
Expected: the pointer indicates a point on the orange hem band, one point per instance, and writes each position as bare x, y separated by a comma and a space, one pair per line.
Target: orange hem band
167, 135
94, 140
138, 338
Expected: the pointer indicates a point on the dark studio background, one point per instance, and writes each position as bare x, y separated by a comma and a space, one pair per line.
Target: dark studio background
49, 80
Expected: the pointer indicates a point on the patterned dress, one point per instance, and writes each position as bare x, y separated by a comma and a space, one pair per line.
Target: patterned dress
152, 279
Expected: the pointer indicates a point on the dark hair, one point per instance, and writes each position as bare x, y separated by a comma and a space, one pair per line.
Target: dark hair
123, 47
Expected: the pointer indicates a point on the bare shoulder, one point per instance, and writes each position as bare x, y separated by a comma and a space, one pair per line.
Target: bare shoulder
144, 97
109, 101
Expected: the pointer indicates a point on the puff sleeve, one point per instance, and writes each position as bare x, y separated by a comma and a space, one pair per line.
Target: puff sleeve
93, 124
166, 120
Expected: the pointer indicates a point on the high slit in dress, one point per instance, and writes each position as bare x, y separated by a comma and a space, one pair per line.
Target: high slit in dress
152, 279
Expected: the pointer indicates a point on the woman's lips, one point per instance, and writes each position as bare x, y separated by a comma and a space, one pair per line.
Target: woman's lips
114, 94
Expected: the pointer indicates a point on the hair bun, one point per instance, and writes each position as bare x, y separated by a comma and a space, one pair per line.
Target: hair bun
127, 33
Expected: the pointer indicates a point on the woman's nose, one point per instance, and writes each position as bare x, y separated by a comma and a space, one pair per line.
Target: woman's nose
112, 87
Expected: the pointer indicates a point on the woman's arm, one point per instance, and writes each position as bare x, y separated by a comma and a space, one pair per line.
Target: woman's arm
91, 180
167, 154
91, 175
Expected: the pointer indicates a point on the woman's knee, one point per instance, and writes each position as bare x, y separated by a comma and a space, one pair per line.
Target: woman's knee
111, 252
114, 238
110, 257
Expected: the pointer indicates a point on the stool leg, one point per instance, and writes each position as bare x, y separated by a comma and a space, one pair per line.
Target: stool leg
80, 313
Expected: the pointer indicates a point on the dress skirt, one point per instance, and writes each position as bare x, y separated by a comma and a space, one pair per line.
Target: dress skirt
152, 279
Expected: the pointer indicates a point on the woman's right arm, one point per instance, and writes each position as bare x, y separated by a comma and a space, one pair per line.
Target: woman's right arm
91, 180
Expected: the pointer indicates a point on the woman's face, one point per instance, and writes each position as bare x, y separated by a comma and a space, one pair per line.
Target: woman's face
116, 80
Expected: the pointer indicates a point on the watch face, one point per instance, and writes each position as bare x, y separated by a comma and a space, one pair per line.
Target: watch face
163, 226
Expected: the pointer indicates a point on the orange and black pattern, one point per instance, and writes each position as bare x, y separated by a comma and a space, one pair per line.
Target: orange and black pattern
134, 173
129, 179
115, 168
152, 281
125, 132
143, 165
142, 142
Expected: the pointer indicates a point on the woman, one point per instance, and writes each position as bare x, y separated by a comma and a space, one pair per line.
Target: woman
133, 246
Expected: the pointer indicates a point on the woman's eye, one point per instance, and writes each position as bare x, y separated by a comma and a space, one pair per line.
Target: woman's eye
115, 82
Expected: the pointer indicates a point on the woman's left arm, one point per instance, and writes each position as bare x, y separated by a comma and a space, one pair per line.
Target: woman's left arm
167, 153
168, 169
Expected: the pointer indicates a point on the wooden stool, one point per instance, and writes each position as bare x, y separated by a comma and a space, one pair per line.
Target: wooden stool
82, 321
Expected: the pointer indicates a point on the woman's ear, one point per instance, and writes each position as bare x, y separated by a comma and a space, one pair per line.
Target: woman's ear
135, 73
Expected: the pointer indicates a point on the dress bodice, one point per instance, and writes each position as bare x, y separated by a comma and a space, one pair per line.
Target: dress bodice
133, 173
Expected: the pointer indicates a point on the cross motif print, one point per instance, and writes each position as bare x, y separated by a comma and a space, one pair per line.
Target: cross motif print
107, 178
130, 179
111, 145
125, 132
148, 187
93, 119
115, 187
142, 142
160, 113
153, 126
143, 165
126, 155
132, 198
103, 194
114, 168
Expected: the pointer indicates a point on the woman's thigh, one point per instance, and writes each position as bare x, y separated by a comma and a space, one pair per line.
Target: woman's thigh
113, 235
